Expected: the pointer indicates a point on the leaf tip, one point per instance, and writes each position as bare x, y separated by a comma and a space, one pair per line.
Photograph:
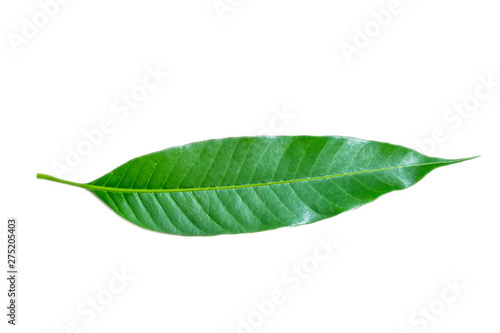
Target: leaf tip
458, 160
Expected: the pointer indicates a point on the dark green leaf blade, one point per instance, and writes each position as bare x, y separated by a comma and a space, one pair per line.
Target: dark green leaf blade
251, 184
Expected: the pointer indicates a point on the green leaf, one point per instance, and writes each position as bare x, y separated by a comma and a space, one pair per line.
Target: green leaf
251, 184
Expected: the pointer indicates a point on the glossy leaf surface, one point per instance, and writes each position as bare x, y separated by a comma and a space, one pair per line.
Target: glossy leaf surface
251, 184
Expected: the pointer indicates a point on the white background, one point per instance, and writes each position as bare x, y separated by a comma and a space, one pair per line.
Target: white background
230, 77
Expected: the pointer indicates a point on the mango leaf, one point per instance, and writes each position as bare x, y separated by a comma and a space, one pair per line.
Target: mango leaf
250, 184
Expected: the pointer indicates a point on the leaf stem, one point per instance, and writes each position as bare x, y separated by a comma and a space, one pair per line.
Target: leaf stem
58, 180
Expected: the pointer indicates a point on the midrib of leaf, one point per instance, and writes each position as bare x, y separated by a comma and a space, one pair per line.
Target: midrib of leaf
229, 187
